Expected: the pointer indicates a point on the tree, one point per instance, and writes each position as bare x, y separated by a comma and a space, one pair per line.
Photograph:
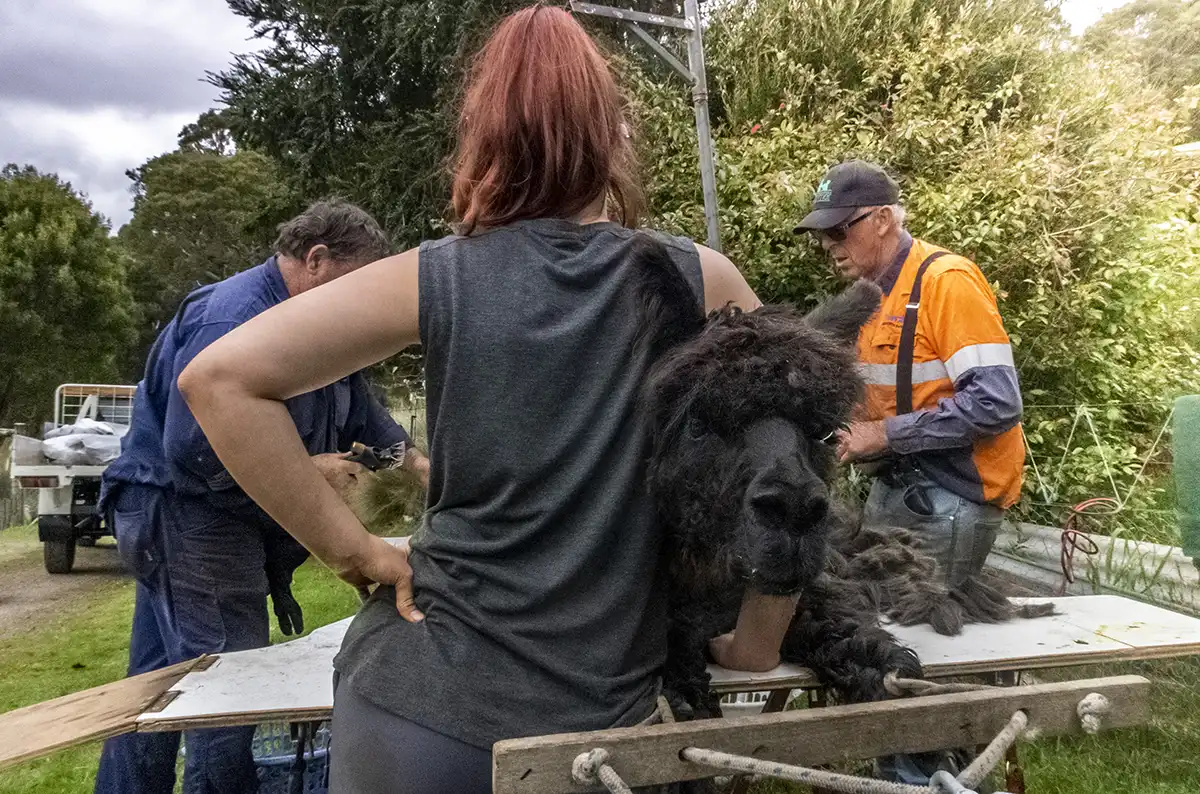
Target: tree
359, 98
1163, 37
210, 134
199, 216
65, 313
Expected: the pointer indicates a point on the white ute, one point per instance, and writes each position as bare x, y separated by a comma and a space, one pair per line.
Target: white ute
65, 466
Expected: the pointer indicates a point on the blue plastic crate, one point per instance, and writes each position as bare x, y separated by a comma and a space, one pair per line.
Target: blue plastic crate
274, 753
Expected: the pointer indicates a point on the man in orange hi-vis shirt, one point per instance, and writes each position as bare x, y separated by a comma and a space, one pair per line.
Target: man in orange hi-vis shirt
940, 425
941, 421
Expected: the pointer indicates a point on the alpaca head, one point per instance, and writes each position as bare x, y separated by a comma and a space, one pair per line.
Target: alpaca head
743, 419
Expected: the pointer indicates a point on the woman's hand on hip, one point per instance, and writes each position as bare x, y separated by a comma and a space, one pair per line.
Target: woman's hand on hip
380, 562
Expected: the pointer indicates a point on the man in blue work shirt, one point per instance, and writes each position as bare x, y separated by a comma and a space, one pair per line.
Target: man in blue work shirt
204, 554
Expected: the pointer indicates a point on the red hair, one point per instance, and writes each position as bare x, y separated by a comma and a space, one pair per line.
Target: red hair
542, 133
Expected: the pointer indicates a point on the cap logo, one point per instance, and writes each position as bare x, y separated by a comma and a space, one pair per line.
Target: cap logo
824, 192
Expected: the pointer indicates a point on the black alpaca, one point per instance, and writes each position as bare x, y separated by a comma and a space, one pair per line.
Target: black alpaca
742, 411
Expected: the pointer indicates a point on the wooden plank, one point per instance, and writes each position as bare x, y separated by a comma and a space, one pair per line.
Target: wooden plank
233, 720
650, 756
785, 676
1086, 630
90, 715
1133, 623
289, 681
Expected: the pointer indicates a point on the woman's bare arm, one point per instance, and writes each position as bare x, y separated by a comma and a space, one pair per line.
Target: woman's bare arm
236, 388
724, 283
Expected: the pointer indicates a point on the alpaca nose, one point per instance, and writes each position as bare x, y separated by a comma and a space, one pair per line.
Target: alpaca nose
786, 507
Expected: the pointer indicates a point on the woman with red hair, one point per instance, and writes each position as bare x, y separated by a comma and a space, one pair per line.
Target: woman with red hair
531, 601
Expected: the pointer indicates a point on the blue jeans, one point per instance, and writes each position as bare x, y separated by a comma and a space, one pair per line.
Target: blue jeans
956, 532
200, 589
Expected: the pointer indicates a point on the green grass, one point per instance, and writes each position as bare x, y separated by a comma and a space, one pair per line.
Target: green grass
18, 542
90, 647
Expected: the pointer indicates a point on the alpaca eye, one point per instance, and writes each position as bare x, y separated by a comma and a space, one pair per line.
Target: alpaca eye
696, 429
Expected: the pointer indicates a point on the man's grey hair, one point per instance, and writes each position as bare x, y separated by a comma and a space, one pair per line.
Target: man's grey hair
349, 231
899, 213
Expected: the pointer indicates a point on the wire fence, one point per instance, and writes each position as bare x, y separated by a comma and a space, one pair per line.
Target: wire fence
1115, 457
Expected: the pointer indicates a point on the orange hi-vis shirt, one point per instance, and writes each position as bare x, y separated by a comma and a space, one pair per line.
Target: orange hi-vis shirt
964, 432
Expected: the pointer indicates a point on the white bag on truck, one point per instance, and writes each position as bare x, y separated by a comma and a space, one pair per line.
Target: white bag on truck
88, 427
82, 449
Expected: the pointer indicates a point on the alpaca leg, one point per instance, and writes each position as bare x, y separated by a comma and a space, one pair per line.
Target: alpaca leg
685, 674
836, 634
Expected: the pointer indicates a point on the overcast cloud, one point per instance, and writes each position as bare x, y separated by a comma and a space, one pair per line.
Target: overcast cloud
91, 88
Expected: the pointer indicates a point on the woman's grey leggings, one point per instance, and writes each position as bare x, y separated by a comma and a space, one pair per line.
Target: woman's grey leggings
375, 752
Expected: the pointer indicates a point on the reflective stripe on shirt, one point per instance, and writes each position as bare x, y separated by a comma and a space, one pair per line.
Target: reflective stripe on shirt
971, 356
885, 374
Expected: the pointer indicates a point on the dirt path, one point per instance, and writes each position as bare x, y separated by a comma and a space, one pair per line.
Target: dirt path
29, 596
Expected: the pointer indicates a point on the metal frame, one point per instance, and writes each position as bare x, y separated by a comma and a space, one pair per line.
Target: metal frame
693, 73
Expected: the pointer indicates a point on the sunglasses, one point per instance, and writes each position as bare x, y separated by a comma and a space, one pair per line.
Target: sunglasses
838, 233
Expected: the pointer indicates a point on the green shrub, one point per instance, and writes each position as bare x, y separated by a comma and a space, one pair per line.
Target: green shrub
1051, 169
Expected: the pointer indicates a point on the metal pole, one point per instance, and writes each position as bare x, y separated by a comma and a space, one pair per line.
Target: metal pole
708, 176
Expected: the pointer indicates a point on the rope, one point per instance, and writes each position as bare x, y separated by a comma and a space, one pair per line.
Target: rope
944, 782
1090, 710
664, 710
818, 778
985, 762
915, 687
592, 767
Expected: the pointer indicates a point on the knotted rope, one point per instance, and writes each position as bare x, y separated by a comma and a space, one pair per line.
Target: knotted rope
1090, 711
592, 767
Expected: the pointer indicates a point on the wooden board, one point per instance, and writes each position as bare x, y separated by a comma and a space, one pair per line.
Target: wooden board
293, 680
1142, 626
1086, 630
98, 713
809, 737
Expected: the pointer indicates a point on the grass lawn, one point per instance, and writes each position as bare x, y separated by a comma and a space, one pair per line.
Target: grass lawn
18, 542
88, 647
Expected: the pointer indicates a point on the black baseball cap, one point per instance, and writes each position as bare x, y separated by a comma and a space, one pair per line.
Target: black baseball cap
844, 188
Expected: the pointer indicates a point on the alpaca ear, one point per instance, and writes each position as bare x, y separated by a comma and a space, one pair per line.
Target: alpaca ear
670, 311
842, 315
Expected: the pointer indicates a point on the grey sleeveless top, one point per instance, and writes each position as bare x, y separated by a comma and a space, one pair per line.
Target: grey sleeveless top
536, 563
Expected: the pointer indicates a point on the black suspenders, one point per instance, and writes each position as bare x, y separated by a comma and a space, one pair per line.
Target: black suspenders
908, 333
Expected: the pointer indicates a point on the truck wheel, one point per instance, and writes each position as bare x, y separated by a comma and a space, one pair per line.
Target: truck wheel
59, 555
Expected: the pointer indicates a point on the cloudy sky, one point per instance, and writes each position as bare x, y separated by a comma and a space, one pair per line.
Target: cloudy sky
90, 88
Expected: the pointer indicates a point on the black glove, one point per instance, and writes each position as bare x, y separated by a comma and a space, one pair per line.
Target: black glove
287, 610
284, 555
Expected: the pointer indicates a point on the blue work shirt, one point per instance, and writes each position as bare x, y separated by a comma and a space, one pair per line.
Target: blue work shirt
165, 447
